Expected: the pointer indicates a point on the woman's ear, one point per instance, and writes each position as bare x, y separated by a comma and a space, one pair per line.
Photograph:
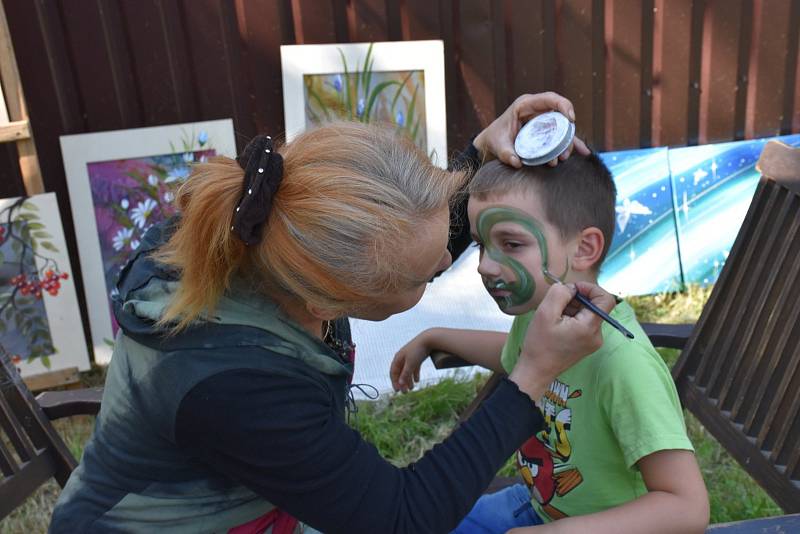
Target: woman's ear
321, 313
590, 247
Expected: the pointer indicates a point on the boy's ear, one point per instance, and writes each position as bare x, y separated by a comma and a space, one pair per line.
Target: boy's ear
590, 247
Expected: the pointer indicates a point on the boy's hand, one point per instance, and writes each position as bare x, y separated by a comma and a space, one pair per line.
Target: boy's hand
497, 139
404, 371
556, 341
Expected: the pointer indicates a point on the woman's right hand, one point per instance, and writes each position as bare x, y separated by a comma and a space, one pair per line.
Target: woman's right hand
557, 340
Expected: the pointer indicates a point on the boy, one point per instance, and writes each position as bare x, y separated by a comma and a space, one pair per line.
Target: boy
614, 456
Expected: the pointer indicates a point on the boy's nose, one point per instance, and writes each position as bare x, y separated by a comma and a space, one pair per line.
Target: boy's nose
488, 267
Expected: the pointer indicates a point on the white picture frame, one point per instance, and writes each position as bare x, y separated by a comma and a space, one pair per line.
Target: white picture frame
3, 109
25, 330
86, 154
301, 61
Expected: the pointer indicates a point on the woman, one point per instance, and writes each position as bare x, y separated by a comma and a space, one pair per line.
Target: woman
225, 399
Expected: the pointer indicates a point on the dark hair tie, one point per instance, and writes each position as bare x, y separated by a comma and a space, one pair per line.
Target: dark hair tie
263, 171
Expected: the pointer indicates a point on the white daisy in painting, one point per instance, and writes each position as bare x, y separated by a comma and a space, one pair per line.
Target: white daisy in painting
142, 211
134, 244
124, 203
177, 174
122, 239
152, 180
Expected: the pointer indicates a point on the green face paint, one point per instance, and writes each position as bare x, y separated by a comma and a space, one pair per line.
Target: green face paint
523, 287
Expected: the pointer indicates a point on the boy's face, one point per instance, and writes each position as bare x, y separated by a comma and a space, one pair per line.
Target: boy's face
517, 244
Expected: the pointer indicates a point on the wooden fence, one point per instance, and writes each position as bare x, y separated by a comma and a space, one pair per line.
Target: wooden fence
640, 72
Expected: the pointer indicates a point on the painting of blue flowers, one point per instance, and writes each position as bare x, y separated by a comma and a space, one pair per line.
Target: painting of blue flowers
130, 196
395, 98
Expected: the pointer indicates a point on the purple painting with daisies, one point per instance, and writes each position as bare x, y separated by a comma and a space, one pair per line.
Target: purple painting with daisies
131, 195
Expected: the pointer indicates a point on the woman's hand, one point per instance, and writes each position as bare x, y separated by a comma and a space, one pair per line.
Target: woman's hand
556, 341
497, 139
404, 371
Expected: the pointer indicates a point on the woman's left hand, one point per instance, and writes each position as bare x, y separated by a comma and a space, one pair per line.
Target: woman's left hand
497, 139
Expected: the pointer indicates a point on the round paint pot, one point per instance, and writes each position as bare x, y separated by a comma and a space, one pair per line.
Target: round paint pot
544, 138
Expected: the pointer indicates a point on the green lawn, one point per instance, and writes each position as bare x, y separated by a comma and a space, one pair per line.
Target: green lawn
403, 427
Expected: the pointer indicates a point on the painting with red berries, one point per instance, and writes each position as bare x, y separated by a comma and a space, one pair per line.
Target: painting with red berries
39, 317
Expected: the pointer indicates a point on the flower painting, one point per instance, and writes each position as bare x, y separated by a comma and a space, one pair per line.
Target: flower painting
396, 84
131, 195
395, 98
39, 317
127, 181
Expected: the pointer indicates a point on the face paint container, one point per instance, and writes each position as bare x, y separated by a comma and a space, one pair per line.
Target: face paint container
544, 138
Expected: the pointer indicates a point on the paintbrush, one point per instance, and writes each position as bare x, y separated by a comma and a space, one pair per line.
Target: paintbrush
591, 307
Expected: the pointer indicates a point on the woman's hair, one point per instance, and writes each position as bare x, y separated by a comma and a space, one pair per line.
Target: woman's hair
340, 231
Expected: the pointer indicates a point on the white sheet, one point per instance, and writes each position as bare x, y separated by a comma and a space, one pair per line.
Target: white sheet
456, 299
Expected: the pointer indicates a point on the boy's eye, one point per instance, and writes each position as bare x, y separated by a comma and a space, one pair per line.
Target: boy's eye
511, 245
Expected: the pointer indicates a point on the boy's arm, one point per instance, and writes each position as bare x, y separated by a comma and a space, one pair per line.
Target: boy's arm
478, 347
676, 502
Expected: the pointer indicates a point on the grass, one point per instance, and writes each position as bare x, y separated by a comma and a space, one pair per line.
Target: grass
403, 427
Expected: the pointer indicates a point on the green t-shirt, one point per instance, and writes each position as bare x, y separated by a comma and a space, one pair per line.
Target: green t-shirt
602, 416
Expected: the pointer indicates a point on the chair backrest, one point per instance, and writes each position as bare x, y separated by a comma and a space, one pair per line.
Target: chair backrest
31, 451
740, 371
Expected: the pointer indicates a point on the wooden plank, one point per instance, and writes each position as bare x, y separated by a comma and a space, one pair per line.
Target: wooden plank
578, 45
671, 60
623, 80
314, 22
791, 97
17, 110
766, 79
102, 65
262, 34
719, 83
695, 70
777, 524
15, 131
215, 47
368, 21
52, 379
475, 60
526, 47
419, 19
160, 61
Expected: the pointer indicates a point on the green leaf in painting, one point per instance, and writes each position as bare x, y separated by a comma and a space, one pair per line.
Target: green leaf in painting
30, 206
35, 226
49, 246
46, 361
42, 235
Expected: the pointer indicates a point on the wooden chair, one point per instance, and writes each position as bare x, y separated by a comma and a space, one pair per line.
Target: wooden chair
31, 451
739, 369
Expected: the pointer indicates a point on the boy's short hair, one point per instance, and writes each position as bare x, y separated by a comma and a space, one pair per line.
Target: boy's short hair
575, 194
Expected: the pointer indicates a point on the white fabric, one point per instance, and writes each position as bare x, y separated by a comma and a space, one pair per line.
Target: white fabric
456, 299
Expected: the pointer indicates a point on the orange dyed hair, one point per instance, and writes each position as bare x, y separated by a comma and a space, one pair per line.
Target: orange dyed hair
340, 231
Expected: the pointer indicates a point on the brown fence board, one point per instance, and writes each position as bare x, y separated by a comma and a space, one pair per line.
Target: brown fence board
671, 35
719, 70
623, 98
528, 39
368, 21
419, 20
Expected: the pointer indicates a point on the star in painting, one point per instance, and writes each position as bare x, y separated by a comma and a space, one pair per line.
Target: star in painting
699, 174
627, 210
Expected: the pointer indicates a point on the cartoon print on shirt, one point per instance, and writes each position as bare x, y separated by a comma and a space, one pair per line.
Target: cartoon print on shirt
543, 460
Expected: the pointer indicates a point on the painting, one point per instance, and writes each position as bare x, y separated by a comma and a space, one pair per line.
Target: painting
397, 84
126, 181
643, 257
40, 324
713, 187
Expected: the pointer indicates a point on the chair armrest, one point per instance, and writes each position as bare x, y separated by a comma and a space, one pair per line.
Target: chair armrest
673, 336
58, 404
447, 360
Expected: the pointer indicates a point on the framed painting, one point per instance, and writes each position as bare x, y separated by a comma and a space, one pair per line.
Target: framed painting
120, 184
40, 325
643, 257
713, 187
399, 84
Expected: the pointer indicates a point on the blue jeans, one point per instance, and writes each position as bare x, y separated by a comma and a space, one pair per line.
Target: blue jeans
498, 512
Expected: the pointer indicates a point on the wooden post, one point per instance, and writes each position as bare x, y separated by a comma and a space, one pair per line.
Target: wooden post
19, 129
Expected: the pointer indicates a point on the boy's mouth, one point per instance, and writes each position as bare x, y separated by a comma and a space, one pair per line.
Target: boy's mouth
498, 289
